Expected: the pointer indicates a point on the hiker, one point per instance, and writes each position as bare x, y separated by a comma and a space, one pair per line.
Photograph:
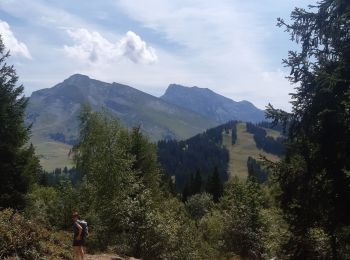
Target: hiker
79, 237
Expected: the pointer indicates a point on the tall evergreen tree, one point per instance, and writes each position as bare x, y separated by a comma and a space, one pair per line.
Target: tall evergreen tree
145, 160
197, 183
314, 176
18, 164
214, 185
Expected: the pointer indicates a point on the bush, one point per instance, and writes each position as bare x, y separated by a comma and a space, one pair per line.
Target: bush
243, 226
52, 206
26, 239
199, 204
212, 228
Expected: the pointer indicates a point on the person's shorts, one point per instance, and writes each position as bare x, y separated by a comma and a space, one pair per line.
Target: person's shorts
80, 242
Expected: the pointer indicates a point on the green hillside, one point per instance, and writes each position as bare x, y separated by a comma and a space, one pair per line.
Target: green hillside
273, 133
52, 154
54, 111
243, 148
55, 154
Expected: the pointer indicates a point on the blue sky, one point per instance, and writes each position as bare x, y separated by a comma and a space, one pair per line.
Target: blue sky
232, 47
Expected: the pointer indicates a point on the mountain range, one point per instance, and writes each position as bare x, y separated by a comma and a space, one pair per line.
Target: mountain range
180, 113
54, 111
212, 105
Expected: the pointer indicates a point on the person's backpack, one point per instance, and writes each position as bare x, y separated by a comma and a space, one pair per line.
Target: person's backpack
84, 225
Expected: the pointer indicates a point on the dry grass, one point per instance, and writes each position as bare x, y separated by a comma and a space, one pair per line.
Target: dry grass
239, 152
52, 154
273, 133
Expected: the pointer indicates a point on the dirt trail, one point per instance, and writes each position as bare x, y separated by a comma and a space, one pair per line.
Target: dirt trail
108, 257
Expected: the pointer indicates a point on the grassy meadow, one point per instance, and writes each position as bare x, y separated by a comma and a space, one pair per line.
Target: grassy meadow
243, 148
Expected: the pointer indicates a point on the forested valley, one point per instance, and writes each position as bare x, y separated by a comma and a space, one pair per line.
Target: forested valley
174, 199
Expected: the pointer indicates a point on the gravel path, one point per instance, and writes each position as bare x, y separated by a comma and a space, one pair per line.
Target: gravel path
107, 257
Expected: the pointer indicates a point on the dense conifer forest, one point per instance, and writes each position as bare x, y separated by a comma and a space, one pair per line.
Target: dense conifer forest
201, 154
267, 143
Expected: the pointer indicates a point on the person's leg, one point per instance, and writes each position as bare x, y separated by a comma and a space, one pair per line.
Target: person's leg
81, 253
76, 252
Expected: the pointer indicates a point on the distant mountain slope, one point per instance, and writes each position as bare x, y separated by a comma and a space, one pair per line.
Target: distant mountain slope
244, 147
210, 104
54, 111
227, 147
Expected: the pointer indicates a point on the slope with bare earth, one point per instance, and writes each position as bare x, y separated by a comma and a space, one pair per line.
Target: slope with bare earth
243, 148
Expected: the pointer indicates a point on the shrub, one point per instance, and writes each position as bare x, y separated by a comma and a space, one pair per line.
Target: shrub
26, 239
199, 204
212, 228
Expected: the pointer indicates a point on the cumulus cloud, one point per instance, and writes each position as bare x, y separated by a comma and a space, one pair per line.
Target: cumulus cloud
94, 48
16, 47
133, 47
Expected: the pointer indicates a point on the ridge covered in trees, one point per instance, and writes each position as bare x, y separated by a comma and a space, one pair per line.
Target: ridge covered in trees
200, 154
267, 143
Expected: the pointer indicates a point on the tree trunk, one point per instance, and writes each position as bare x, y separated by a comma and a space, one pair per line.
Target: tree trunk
334, 246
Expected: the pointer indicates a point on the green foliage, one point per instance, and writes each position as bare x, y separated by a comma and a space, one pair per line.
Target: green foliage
267, 143
276, 233
52, 206
42, 204
212, 227
167, 233
121, 194
243, 225
202, 153
199, 205
315, 186
102, 156
145, 162
26, 239
18, 164
193, 186
255, 171
214, 185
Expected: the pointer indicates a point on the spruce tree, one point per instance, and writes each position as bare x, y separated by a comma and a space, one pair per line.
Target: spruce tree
197, 183
214, 185
314, 176
18, 164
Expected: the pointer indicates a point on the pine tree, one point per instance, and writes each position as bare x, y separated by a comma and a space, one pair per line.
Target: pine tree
18, 164
214, 185
145, 164
197, 183
185, 193
314, 176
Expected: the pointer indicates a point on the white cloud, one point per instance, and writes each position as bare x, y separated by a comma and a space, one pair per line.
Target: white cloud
222, 44
229, 46
133, 47
16, 47
94, 48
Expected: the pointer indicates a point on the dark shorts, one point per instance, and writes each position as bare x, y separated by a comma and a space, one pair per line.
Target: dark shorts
80, 242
